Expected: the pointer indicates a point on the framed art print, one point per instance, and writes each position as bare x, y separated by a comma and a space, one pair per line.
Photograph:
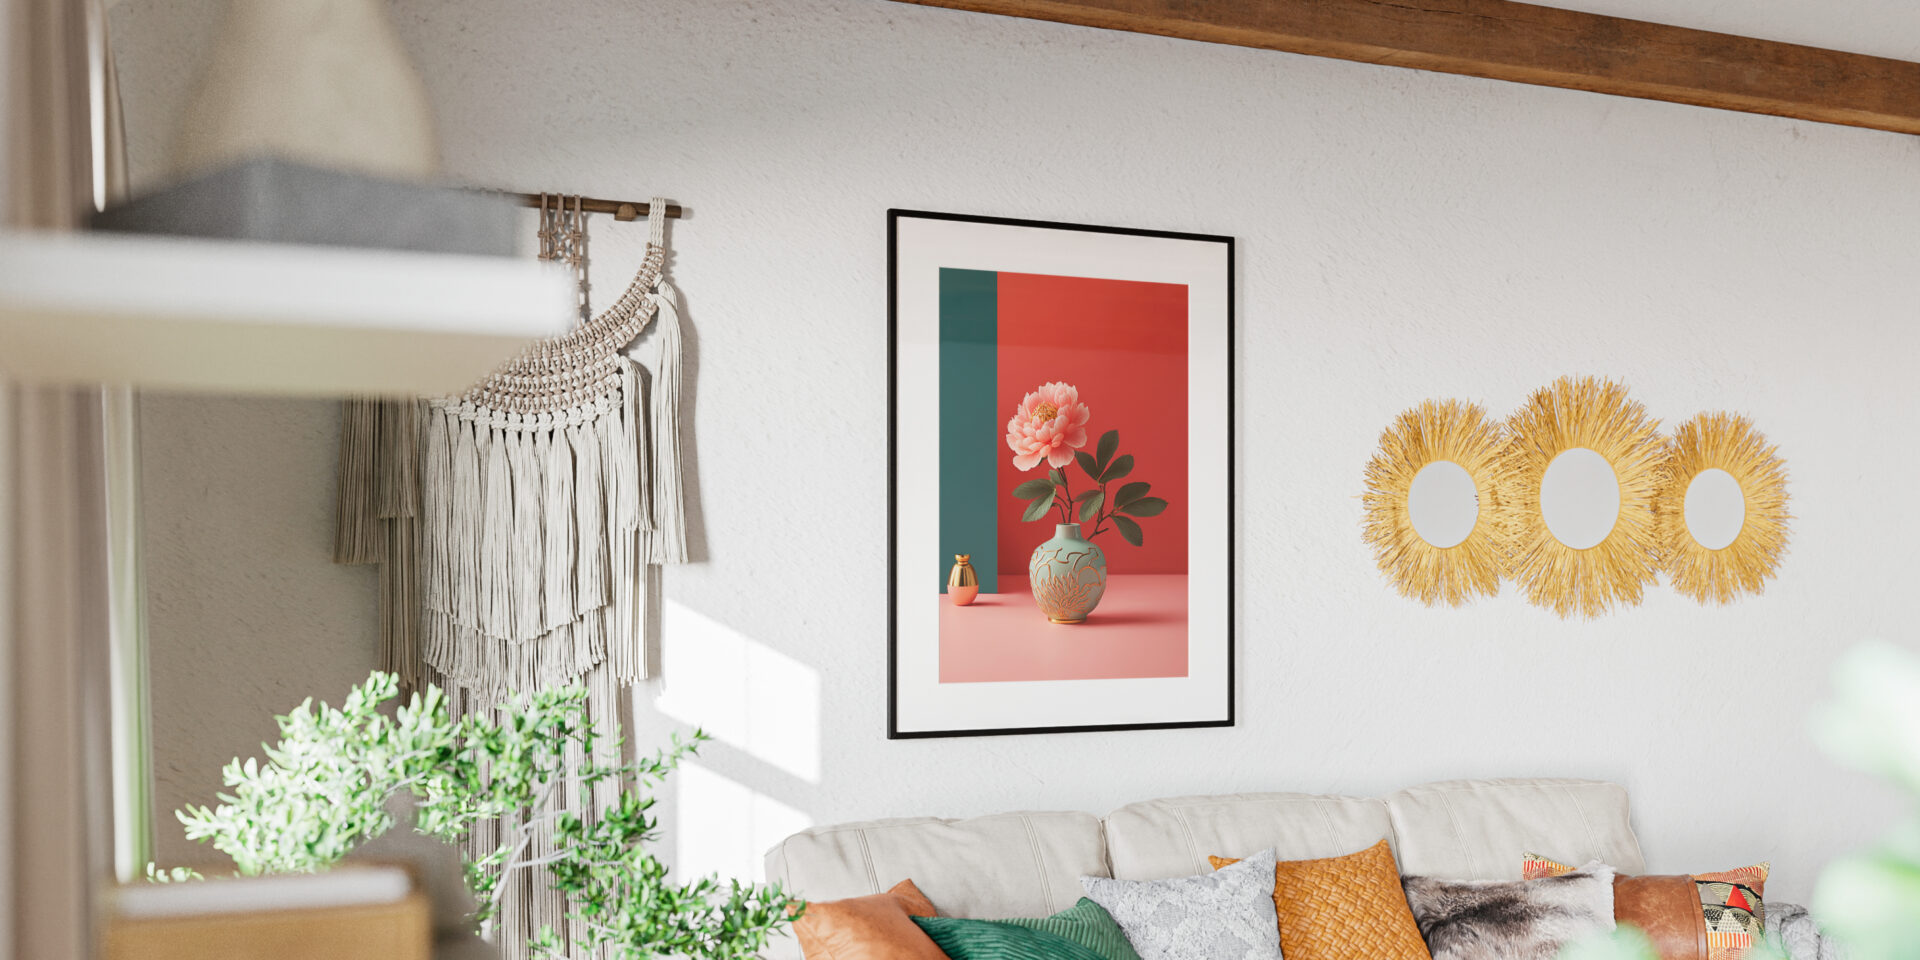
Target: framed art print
1061, 478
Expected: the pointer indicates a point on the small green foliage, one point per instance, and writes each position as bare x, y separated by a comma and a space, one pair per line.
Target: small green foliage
1109, 443
1871, 899
1094, 507
175, 875
323, 789
1090, 503
1037, 487
1088, 465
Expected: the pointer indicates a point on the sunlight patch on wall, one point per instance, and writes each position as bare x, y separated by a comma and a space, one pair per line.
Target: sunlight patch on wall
724, 827
744, 693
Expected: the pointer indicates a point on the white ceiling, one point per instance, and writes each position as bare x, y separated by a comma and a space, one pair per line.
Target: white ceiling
1883, 28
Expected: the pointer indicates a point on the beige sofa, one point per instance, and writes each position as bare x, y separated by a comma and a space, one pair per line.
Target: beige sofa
1030, 864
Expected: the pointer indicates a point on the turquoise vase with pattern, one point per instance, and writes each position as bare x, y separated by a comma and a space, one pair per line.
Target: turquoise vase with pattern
1068, 574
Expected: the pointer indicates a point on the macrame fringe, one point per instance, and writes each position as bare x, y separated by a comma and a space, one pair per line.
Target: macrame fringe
358, 537
516, 527
528, 902
667, 538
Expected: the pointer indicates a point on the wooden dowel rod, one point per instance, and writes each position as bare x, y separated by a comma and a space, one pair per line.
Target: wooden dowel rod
621, 209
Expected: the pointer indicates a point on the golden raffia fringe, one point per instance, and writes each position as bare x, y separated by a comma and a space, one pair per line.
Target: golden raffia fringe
1595, 414
1508, 463
1727, 442
1450, 430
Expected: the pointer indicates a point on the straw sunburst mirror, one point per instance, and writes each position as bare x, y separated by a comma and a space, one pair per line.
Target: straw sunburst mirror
1575, 444
1722, 514
1436, 510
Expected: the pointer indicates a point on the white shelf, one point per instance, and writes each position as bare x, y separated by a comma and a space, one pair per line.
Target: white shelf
173, 313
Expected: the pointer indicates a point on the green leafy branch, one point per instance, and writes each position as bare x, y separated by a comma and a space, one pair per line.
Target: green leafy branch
324, 786
1054, 493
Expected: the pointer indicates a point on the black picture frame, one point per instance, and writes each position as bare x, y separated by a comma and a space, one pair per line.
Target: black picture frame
894, 216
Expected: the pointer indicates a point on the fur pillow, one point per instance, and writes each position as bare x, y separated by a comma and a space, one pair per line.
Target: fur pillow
1512, 920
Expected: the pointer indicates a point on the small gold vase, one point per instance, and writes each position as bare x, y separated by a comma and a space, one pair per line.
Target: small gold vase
963, 584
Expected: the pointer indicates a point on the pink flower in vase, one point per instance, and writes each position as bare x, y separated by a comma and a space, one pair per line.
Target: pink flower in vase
1050, 425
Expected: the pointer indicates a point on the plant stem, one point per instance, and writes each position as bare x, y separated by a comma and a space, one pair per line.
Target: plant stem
1100, 516
526, 837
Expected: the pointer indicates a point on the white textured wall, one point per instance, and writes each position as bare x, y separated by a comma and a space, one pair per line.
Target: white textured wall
1403, 235
246, 615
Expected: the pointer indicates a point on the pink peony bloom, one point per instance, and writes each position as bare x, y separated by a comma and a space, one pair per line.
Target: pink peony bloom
1050, 424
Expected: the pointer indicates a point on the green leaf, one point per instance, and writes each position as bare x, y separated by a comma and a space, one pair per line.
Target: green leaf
1109, 442
320, 792
1145, 507
1058, 478
1087, 464
1129, 531
1118, 468
1090, 508
1038, 508
1037, 487
1084, 494
1131, 492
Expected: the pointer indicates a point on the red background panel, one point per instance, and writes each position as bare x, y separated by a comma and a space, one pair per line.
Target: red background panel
1124, 345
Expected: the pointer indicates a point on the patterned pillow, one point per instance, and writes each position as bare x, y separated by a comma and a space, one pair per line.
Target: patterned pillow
1512, 919
1337, 908
997, 940
1731, 904
1087, 924
1225, 915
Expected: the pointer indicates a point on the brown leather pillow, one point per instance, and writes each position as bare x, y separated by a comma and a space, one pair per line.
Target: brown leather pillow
1667, 909
1721, 916
875, 927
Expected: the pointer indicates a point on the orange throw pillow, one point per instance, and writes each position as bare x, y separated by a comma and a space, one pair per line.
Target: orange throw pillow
1344, 907
875, 927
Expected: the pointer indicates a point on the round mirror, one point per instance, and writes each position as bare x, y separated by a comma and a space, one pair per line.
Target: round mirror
1442, 503
1715, 508
1580, 498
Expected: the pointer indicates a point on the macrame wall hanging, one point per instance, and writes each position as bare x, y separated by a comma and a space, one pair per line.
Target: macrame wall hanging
518, 526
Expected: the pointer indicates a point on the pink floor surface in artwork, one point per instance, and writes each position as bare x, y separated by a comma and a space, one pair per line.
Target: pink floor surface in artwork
1139, 630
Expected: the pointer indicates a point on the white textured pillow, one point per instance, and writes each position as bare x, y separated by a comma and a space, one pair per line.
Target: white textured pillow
1224, 915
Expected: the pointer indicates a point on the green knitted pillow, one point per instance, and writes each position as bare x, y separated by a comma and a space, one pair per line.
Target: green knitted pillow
1088, 924
1083, 931
995, 940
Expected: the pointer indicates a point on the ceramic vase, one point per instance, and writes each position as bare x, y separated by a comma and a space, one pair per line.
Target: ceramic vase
964, 583
1068, 574
323, 82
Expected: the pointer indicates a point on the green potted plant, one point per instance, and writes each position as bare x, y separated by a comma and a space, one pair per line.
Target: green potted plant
324, 789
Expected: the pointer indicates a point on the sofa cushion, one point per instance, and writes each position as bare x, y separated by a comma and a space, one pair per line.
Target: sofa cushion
874, 927
1334, 908
1226, 915
1005, 865
1086, 923
963, 939
1174, 836
1718, 916
1481, 829
1512, 919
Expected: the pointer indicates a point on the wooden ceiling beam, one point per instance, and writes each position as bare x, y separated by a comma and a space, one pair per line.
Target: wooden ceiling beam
1527, 43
